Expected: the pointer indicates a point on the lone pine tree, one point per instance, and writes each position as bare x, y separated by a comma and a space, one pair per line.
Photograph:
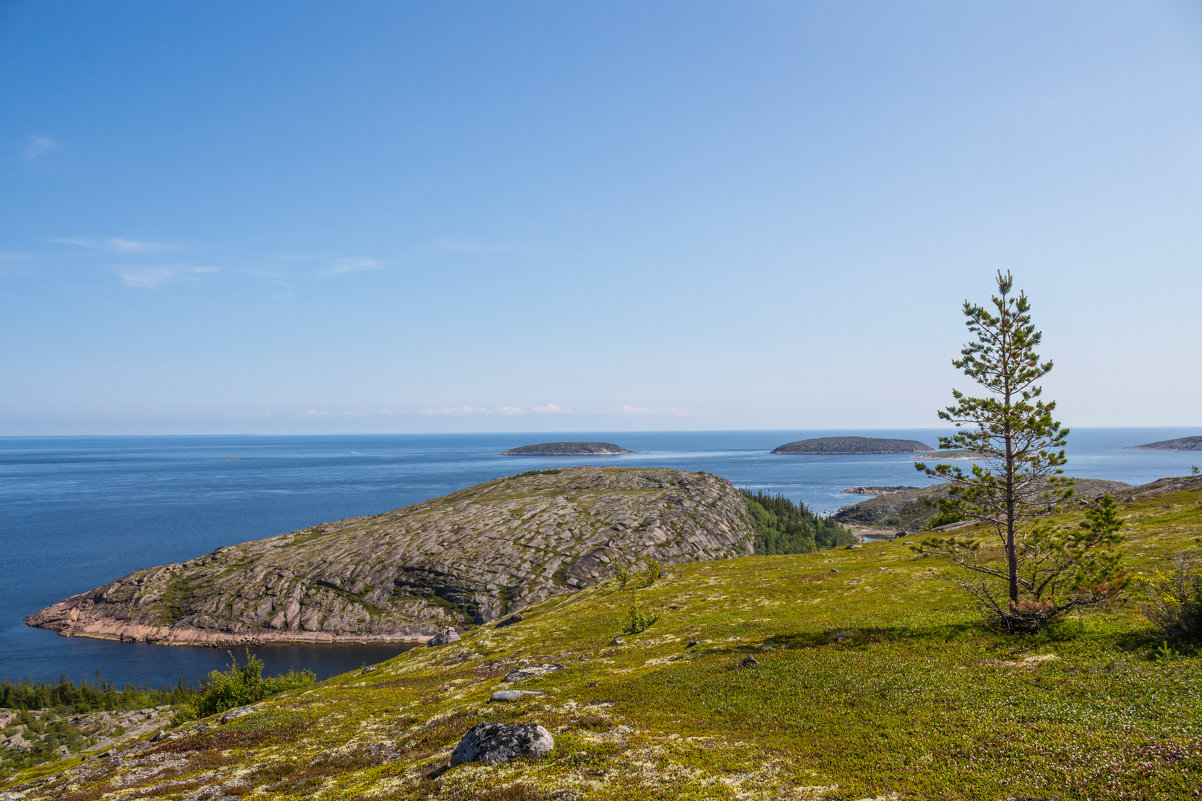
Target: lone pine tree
1042, 571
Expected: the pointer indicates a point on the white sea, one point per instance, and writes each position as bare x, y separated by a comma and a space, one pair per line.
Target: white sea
77, 512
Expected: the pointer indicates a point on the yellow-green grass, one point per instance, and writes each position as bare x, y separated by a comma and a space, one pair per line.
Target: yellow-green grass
873, 679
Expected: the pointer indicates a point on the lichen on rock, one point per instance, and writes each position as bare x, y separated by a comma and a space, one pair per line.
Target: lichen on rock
462, 559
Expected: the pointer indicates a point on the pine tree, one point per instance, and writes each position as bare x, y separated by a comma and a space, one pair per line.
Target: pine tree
1045, 571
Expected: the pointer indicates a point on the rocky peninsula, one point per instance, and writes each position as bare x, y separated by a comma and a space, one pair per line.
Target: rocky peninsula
1179, 444
911, 508
568, 449
458, 560
836, 446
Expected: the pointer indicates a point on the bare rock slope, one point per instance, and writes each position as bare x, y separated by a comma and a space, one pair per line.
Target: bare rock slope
464, 558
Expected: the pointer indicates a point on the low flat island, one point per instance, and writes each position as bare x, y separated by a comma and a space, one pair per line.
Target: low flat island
568, 449
838, 446
1179, 444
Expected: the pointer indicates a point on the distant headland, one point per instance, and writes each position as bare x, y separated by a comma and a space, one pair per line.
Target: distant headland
834, 446
568, 449
1179, 444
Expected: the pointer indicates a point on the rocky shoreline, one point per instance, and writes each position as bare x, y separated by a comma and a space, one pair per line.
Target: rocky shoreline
460, 560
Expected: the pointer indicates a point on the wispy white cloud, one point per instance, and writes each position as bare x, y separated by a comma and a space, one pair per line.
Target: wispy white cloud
113, 244
511, 410
550, 408
342, 266
626, 410
152, 276
253, 416
38, 146
456, 412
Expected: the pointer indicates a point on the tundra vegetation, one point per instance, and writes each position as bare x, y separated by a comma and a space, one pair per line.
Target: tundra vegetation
1045, 570
872, 679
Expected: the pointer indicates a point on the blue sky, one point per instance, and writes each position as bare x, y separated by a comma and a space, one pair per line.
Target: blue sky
290, 217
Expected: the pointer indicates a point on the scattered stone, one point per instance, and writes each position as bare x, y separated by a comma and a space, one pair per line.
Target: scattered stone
834, 570
368, 669
1026, 663
692, 643
663, 574
516, 617
234, 714
446, 636
493, 743
901, 534
531, 671
854, 546
617, 641
512, 695
592, 684
841, 636
749, 661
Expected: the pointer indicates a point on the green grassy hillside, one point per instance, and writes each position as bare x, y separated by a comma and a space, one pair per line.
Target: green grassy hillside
871, 680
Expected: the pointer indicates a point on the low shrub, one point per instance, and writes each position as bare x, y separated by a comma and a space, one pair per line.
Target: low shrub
638, 621
239, 685
1172, 599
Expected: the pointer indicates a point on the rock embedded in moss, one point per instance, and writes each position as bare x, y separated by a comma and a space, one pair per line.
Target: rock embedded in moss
532, 671
493, 743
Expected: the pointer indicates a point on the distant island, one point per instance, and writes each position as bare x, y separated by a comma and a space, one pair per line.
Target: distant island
568, 449
833, 446
1179, 444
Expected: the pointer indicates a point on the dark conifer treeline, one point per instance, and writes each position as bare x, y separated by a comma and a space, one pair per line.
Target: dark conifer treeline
782, 526
87, 697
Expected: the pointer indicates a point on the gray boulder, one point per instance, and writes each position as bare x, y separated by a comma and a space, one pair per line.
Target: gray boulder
447, 635
234, 714
531, 671
513, 695
493, 743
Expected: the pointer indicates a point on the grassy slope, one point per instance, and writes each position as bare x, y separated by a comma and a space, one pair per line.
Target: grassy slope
871, 682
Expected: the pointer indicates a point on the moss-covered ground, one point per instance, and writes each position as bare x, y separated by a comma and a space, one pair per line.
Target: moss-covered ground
871, 678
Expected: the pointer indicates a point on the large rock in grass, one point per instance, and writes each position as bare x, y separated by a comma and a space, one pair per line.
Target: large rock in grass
493, 743
469, 557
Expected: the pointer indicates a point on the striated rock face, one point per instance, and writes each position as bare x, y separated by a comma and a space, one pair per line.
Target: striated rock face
833, 446
567, 449
465, 558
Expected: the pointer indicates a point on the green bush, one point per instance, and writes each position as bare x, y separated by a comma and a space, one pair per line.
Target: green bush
1172, 599
654, 568
622, 573
239, 685
638, 621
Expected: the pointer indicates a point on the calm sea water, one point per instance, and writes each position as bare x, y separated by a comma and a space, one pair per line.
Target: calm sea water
76, 512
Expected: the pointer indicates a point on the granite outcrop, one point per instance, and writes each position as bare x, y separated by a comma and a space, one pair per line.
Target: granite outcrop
406, 575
